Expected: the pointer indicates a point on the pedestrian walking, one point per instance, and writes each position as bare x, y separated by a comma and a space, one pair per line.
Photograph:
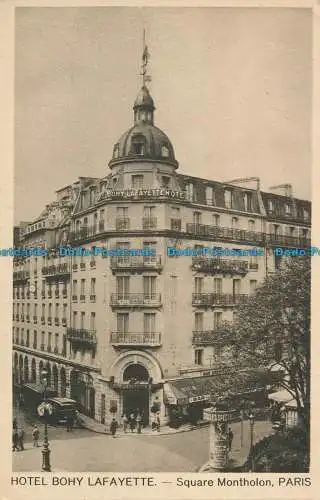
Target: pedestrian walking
158, 423
35, 435
69, 423
132, 422
139, 423
113, 427
21, 438
124, 422
230, 438
15, 439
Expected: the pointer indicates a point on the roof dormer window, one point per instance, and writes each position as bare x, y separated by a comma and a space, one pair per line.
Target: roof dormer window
138, 145
165, 151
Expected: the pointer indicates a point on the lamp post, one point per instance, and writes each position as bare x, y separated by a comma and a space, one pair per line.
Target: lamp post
45, 451
251, 423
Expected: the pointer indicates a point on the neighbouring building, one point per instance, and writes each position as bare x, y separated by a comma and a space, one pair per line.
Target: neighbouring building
129, 332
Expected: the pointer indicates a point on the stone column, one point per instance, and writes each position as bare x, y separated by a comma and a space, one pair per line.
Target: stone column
218, 440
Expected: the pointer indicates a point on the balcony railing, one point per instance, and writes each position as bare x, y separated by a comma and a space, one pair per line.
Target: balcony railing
149, 222
135, 339
217, 299
135, 300
175, 224
220, 266
136, 263
21, 276
122, 223
82, 336
206, 337
58, 270
233, 234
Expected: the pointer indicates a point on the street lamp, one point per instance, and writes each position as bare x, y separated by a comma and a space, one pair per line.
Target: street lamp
251, 423
46, 451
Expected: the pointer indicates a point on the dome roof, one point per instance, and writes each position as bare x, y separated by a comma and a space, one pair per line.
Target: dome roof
144, 99
144, 141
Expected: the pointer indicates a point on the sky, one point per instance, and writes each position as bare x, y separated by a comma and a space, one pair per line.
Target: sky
232, 89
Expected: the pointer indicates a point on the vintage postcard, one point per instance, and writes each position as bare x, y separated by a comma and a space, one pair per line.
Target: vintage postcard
158, 247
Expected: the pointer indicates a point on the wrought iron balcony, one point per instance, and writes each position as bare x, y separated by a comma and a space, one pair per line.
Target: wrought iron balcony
21, 276
135, 300
220, 266
206, 337
136, 263
176, 224
217, 299
122, 223
149, 223
81, 336
135, 339
244, 236
58, 270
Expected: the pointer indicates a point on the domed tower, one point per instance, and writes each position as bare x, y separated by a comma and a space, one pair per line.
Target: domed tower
144, 143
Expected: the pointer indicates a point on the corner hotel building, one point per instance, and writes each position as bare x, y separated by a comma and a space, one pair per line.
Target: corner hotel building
132, 331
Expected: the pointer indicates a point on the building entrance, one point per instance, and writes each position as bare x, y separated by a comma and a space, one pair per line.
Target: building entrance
136, 394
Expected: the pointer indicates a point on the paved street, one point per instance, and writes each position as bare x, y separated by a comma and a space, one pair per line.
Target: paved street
180, 452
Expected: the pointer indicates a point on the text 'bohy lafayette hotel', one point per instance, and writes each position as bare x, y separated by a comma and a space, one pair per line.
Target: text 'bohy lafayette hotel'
128, 332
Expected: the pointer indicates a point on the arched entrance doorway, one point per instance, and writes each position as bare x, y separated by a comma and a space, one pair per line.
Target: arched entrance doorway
26, 370
136, 392
33, 371
55, 377
82, 390
63, 381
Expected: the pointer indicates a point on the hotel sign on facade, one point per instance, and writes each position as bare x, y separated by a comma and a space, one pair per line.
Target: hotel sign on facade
135, 194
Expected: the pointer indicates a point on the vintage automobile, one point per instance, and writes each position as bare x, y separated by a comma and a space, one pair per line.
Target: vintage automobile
60, 409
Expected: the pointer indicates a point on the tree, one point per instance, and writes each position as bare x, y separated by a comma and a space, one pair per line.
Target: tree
275, 321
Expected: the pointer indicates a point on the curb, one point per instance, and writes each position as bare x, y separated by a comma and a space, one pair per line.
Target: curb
167, 433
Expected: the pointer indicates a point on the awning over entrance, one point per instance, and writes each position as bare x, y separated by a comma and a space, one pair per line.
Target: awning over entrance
196, 389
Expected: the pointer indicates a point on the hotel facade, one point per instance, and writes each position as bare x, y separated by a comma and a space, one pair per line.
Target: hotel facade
135, 332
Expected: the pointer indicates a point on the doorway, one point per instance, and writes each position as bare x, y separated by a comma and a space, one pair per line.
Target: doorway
136, 401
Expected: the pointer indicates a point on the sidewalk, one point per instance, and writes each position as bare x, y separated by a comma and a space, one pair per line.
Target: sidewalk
99, 428
240, 448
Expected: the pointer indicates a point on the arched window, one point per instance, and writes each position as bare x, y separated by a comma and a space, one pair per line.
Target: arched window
135, 372
165, 151
138, 145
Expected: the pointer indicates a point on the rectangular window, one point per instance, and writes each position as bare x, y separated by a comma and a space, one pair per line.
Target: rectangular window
217, 319
165, 181
93, 286
82, 320
216, 219
235, 222
149, 322
137, 181
93, 321
227, 198
209, 195
251, 225
49, 340
149, 212
83, 285
75, 319
123, 322
253, 285
56, 340
75, 287
198, 357
198, 321
122, 212
149, 286
122, 287
198, 285
236, 286
50, 310
175, 212
217, 286
197, 218
57, 311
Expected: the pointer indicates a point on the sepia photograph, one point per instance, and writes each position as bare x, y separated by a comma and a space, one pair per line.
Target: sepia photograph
162, 240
